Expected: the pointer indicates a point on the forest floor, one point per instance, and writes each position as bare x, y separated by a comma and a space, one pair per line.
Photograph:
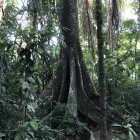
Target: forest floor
110, 136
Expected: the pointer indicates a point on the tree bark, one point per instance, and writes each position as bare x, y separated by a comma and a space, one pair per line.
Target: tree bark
101, 77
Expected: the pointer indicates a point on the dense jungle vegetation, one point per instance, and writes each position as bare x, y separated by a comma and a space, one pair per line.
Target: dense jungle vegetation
69, 69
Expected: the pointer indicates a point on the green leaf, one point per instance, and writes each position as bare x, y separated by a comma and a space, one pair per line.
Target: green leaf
70, 131
131, 136
134, 133
114, 138
39, 80
18, 136
31, 80
2, 135
34, 124
25, 86
123, 136
127, 126
31, 108
25, 124
116, 125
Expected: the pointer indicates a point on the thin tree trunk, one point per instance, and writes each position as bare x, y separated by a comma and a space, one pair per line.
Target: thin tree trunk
101, 78
34, 6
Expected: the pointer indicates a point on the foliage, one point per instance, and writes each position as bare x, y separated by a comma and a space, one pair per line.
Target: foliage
29, 56
129, 135
69, 124
33, 129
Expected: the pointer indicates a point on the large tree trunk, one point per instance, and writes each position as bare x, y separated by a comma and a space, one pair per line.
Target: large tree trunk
72, 84
103, 123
